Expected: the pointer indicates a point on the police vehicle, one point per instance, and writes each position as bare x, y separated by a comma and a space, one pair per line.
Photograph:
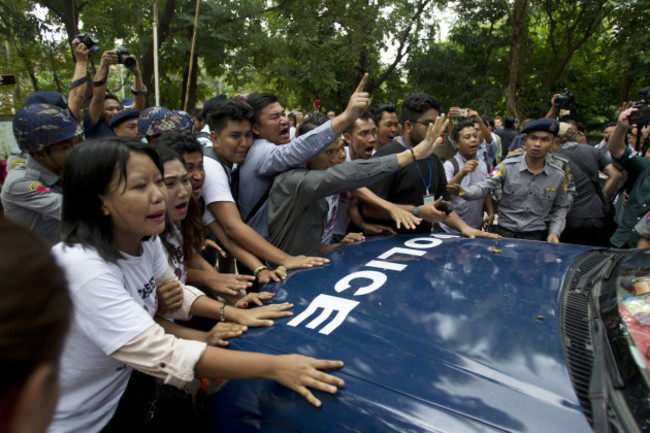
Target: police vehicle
449, 334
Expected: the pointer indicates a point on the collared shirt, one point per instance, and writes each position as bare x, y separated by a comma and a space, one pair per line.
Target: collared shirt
528, 197
470, 211
488, 152
265, 160
31, 196
638, 204
297, 204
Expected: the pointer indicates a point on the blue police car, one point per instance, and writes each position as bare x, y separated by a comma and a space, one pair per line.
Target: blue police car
448, 334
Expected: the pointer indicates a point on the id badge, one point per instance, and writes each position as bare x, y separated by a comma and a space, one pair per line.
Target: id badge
428, 198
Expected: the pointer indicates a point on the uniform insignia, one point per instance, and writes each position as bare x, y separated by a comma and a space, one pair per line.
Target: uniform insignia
37, 186
647, 218
496, 171
16, 162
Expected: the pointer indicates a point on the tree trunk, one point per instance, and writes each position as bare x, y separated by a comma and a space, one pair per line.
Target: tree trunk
55, 75
146, 64
191, 101
518, 19
626, 82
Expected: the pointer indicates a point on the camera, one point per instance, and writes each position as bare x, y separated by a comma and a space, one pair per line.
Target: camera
124, 58
90, 41
641, 116
565, 101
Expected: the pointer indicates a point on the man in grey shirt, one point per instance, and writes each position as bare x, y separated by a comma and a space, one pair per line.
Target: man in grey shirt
297, 205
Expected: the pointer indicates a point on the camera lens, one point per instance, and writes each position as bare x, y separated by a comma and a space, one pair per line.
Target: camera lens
128, 61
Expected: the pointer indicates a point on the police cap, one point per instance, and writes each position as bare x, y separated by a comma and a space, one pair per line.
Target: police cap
123, 116
545, 125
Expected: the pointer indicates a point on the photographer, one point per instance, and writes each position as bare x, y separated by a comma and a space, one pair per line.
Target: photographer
102, 106
565, 101
638, 169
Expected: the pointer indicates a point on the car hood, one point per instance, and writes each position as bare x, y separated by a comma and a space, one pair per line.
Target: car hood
469, 326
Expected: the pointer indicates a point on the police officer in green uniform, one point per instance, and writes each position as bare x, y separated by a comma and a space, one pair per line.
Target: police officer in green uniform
535, 186
31, 194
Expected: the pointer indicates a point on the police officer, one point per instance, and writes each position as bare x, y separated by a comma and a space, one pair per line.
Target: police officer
534, 186
31, 194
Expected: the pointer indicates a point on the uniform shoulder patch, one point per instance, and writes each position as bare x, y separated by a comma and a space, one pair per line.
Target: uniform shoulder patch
496, 171
16, 162
37, 186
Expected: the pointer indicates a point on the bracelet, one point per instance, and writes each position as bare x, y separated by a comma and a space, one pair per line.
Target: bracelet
413, 154
261, 268
222, 311
79, 82
99, 83
139, 92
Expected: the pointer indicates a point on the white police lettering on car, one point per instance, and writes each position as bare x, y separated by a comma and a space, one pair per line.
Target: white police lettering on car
342, 306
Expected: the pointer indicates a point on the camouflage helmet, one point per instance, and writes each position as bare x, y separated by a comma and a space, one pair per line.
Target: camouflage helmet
38, 126
156, 120
186, 121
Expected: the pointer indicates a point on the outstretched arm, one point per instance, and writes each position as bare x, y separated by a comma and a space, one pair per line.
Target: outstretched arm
616, 143
77, 91
96, 106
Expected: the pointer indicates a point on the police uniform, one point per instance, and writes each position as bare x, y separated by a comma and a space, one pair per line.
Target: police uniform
528, 198
31, 196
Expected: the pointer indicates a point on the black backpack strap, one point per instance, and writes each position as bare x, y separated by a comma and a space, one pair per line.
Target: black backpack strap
455, 164
258, 205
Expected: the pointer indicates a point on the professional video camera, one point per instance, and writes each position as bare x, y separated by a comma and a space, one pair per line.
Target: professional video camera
642, 115
125, 58
90, 41
565, 101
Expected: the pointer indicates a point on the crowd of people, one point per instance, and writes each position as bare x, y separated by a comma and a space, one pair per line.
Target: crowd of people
166, 225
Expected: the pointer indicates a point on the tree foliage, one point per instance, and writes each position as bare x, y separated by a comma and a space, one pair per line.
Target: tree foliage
320, 49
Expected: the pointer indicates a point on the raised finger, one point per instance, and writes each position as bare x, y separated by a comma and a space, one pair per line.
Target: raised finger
362, 83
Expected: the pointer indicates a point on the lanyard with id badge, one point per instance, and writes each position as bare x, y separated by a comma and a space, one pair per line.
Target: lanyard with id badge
427, 198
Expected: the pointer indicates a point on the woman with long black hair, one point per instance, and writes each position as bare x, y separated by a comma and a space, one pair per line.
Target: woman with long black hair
113, 211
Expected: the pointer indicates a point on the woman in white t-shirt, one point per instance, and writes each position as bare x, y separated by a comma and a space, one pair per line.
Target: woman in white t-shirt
183, 237
113, 210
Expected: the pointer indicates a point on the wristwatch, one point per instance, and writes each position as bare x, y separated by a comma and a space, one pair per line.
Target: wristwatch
416, 211
139, 93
